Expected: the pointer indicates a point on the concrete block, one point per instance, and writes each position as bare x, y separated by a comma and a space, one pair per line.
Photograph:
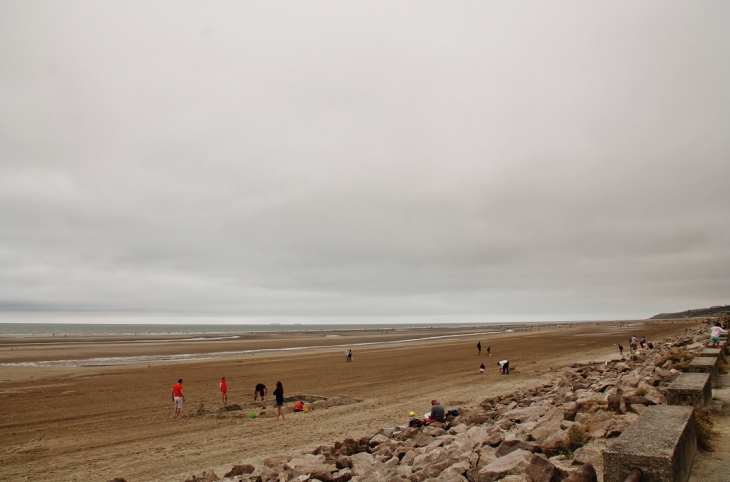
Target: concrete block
704, 365
723, 381
662, 443
710, 352
693, 389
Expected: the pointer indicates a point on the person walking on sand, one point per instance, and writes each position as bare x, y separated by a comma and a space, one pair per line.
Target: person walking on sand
224, 391
489, 351
279, 394
259, 391
479, 347
481, 368
178, 397
347, 355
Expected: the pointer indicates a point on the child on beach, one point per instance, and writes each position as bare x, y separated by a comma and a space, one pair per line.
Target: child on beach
620, 349
489, 351
224, 391
481, 369
715, 335
279, 394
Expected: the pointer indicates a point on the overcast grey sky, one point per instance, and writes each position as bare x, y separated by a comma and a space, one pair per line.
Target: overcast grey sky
368, 161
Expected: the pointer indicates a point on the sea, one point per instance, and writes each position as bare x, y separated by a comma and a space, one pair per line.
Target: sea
90, 330
25, 332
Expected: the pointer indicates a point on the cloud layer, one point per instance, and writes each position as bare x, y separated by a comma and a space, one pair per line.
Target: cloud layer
335, 161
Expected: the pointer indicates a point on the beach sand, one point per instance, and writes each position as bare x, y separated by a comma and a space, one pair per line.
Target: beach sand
99, 422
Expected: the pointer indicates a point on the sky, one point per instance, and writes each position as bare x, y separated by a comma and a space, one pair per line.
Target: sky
363, 161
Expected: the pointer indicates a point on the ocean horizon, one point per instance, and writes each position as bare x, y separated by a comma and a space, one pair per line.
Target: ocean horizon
102, 329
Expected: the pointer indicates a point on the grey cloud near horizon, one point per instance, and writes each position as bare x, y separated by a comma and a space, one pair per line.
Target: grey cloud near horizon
361, 160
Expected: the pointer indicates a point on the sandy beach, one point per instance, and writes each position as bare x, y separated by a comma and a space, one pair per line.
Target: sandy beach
87, 421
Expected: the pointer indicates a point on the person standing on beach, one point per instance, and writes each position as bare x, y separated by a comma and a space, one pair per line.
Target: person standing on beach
260, 390
633, 344
224, 391
279, 394
481, 368
178, 397
347, 355
479, 347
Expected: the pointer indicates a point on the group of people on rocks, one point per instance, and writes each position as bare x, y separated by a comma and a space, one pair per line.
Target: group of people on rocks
178, 396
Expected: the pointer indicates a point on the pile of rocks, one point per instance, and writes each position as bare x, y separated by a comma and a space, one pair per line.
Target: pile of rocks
553, 432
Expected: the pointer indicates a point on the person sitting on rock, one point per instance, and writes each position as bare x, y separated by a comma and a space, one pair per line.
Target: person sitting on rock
437, 413
299, 406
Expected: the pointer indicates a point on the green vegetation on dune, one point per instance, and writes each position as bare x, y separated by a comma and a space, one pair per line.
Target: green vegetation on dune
694, 313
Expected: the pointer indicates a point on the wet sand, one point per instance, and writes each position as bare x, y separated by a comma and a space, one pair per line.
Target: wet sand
99, 422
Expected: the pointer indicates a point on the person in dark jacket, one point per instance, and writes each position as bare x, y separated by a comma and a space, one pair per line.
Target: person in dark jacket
279, 394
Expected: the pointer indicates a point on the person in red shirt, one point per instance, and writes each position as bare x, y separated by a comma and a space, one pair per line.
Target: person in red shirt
178, 397
224, 390
299, 406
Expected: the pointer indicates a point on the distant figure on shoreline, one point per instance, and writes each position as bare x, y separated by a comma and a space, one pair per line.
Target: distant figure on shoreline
279, 394
503, 367
348, 355
479, 347
259, 391
481, 368
224, 391
489, 351
178, 397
